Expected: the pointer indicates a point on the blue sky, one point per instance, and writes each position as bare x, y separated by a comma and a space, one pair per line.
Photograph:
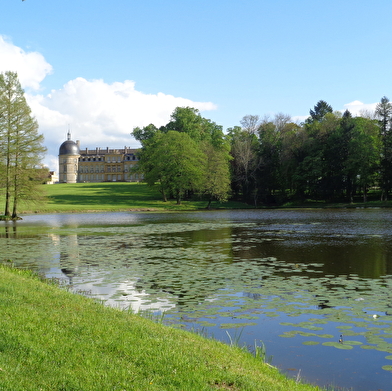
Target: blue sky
102, 68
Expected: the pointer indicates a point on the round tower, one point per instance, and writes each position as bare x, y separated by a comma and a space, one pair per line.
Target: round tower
68, 161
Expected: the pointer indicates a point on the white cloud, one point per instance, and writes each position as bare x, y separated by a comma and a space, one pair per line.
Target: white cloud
97, 113
100, 114
357, 108
31, 67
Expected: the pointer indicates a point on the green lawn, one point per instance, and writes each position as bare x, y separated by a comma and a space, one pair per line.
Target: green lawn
120, 196
109, 196
52, 339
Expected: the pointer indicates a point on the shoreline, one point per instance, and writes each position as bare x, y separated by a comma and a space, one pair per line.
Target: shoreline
55, 338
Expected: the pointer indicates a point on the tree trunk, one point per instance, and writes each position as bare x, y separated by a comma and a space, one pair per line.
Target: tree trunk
14, 210
7, 204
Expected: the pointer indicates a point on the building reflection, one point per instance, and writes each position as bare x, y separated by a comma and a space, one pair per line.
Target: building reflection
69, 256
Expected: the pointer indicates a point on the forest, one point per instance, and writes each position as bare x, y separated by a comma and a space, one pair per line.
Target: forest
331, 157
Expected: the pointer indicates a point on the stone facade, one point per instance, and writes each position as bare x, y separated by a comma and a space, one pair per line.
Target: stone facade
96, 165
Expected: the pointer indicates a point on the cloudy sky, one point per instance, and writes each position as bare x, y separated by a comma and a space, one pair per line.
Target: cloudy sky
103, 67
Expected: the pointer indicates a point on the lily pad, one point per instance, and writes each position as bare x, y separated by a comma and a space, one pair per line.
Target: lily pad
338, 345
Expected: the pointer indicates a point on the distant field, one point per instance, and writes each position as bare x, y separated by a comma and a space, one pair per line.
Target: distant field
109, 196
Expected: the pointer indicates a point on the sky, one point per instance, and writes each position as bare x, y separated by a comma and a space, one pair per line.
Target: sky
100, 68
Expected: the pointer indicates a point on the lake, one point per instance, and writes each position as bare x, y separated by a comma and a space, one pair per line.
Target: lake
314, 286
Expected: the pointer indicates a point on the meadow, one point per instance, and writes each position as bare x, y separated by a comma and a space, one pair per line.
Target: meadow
110, 197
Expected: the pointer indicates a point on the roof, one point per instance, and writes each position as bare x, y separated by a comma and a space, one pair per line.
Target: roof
69, 147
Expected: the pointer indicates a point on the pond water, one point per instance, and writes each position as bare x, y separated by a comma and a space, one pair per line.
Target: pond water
313, 286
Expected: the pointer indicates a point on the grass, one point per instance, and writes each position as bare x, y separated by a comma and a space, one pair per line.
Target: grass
120, 196
110, 196
51, 339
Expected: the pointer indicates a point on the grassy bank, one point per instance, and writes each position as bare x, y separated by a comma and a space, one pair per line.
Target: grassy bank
52, 339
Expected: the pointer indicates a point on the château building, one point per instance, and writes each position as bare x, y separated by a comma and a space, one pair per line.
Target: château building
96, 165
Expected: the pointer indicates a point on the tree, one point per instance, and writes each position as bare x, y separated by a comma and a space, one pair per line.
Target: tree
319, 112
21, 147
144, 134
250, 123
384, 114
363, 154
244, 164
217, 175
188, 120
174, 162
187, 139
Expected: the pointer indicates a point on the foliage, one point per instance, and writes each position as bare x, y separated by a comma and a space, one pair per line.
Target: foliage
384, 114
21, 147
187, 156
244, 163
332, 156
175, 163
320, 110
217, 174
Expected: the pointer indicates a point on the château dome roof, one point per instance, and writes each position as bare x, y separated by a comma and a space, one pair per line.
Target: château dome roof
69, 147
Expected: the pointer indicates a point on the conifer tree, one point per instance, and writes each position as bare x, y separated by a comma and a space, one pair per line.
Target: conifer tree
21, 146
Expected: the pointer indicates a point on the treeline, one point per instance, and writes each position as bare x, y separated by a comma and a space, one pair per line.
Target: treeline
331, 156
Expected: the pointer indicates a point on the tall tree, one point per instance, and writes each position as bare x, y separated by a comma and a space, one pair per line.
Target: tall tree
21, 146
174, 162
363, 159
194, 140
217, 174
245, 162
384, 114
250, 123
319, 112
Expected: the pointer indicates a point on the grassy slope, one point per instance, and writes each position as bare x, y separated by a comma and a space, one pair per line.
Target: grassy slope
55, 340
